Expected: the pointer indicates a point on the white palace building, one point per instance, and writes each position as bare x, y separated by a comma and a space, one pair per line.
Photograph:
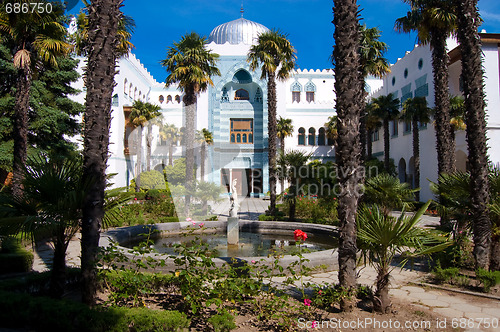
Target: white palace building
235, 111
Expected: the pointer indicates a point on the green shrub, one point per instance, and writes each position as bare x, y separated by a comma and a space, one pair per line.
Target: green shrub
222, 322
447, 275
13, 257
145, 320
152, 180
140, 195
488, 279
45, 314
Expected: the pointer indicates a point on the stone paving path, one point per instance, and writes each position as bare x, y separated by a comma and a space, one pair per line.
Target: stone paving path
471, 309
250, 208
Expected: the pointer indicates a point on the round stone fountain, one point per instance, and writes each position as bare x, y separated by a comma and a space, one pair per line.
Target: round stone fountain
257, 230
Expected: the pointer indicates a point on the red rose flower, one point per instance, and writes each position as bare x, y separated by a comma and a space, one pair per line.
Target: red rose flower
299, 235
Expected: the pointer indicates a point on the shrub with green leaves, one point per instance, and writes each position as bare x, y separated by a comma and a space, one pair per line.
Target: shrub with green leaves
222, 322
152, 180
13, 257
488, 279
446, 275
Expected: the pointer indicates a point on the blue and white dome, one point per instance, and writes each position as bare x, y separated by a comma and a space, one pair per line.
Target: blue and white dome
240, 31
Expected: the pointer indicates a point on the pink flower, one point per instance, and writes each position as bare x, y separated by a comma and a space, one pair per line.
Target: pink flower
202, 224
135, 199
307, 302
253, 262
320, 292
189, 219
314, 324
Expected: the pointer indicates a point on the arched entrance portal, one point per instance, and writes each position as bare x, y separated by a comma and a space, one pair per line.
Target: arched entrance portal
402, 170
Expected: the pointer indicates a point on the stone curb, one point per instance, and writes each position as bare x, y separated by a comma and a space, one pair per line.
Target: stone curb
459, 291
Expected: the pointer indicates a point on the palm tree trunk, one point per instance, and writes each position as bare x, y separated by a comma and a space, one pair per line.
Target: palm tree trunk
382, 301
495, 254
416, 158
282, 177
202, 156
170, 154
362, 122
472, 73
348, 148
58, 275
272, 133
104, 16
387, 146
20, 132
369, 148
440, 61
149, 138
190, 109
139, 160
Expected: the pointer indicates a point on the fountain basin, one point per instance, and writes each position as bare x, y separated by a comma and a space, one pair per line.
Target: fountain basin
327, 259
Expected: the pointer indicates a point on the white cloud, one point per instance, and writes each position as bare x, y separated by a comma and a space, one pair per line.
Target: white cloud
487, 16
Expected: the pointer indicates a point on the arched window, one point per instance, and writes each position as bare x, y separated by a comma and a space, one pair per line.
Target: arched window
250, 138
135, 93
130, 90
296, 89
302, 136
140, 94
115, 100
178, 99
161, 99
125, 87
241, 94
310, 90
244, 138
238, 138
312, 136
232, 138
321, 136
169, 99
258, 96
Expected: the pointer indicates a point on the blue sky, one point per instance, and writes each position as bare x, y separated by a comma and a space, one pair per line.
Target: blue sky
307, 23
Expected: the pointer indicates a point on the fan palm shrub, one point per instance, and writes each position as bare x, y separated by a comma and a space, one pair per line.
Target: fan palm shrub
51, 204
293, 161
387, 192
381, 238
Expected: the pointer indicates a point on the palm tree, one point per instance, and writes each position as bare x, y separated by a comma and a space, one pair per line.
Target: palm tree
388, 192
415, 110
275, 56
81, 38
434, 21
170, 133
205, 137
190, 65
331, 128
33, 37
142, 114
386, 108
372, 123
457, 111
293, 161
382, 237
373, 63
284, 129
349, 91
51, 205
472, 74
103, 22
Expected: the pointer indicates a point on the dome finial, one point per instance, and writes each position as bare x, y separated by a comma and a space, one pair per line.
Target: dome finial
242, 10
